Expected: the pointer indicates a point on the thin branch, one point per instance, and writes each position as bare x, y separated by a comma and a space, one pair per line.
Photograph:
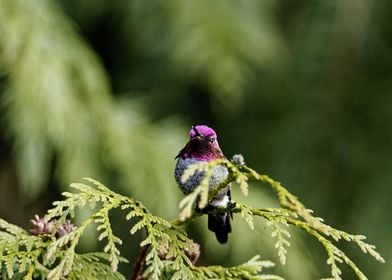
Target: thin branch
140, 264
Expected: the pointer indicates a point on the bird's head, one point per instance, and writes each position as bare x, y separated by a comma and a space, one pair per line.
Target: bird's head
202, 145
205, 135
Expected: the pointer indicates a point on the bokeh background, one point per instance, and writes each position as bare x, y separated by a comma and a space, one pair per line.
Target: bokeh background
109, 90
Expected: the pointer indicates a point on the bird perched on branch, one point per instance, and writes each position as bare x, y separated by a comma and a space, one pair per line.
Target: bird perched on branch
203, 147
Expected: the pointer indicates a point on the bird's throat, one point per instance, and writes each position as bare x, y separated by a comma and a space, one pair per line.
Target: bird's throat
201, 150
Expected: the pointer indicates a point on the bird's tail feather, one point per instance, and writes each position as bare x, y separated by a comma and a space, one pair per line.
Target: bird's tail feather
221, 225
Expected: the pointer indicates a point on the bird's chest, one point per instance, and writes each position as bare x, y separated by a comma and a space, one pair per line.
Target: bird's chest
219, 174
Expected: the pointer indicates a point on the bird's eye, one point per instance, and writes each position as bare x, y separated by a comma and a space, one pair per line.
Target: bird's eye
211, 139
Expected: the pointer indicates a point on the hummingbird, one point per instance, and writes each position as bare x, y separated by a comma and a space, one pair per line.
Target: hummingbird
203, 147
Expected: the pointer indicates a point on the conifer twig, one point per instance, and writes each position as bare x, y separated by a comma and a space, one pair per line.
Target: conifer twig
293, 213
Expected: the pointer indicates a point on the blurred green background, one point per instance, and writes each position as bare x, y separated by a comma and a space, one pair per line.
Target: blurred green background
109, 90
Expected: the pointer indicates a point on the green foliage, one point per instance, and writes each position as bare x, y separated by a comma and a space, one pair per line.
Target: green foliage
228, 45
31, 257
169, 253
59, 109
293, 212
19, 252
168, 246
52, 120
